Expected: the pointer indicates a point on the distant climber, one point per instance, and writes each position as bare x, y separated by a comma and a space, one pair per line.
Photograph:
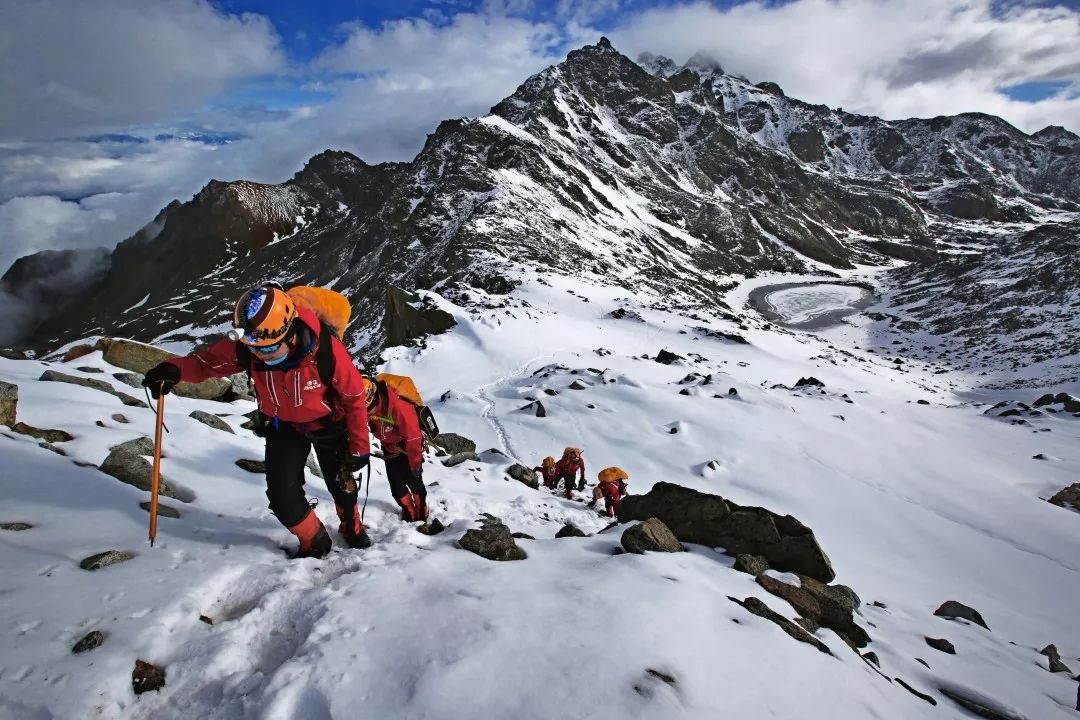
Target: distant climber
611, 488
546, 469
395, 423
571, 464
309, 393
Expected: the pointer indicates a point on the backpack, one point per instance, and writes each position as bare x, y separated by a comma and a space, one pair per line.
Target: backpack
405, 388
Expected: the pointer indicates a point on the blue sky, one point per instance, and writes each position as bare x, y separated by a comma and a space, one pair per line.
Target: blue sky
230, 89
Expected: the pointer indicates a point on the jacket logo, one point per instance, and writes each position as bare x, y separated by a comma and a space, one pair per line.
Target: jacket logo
312, 385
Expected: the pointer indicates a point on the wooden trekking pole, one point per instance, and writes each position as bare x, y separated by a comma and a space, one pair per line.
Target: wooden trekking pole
156, 481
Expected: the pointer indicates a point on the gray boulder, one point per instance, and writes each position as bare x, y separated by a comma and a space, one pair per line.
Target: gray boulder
758, 607
952, 610
710, 520
49, 436
89, 641
15, 526
459, 458
94, 383
9, 402
569, 530
139, 446
137, 471
1068, 497
1056, 665
652, 534
140, 357
257, 467
492, 540
163, 510
752, 564
132, 380
409, 317
827, 606
524, 475
105, 559
941, 644
454, 443
211, 420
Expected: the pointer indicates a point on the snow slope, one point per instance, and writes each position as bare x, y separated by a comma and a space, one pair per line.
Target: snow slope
915, 504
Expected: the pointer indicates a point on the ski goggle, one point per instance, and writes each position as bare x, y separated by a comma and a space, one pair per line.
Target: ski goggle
266, 349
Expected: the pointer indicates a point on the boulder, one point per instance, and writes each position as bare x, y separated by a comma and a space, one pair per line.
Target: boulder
758, 607
15, 526
163, 510
666, 357
211, 420
809, 382
524, 475
105, 559
492, 540
146, 677
140, 357
578, 385
100, 385
752, 564
952, 610
569, 530
132, 380
1056, 665
941, 644
118, 417
458, 458
916, 693
454, 443
825, 605
409, 317
137, 471
91, 370
77, 352
535, 408
705, 519
313, 465
89, 641
652, 534
49, 436
1068, 497
978, 703
434, 527
9, 402
252, 466
139, 446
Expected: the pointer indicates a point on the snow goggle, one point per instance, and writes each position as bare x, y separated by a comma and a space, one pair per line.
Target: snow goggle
266, 349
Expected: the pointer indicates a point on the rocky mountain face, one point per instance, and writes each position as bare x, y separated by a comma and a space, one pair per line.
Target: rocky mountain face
646, 174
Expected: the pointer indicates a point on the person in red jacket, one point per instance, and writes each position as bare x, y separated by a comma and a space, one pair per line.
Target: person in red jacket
395, 424
612, 487
276, 345
569, 465
547, 471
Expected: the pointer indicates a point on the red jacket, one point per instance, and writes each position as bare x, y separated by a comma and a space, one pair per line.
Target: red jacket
550, 474
563, 468
394, 422
296, 396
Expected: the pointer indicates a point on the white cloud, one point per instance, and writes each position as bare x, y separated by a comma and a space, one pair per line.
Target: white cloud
892, 58
73, 67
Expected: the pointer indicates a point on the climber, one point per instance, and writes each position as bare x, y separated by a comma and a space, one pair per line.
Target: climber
394, 422
612, 487
546, 470
309, 393
570, 464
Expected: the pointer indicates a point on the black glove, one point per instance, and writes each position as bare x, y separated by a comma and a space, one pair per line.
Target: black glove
161, 379
356, 463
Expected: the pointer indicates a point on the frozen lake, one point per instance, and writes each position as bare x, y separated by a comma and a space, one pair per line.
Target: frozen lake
810, 306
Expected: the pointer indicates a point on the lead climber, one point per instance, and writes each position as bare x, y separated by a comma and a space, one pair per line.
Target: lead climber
568, 466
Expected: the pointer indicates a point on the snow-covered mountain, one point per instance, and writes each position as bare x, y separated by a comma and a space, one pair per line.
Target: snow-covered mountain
646, 175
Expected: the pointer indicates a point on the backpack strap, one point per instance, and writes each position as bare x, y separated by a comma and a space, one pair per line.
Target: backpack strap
243, 357
324, 355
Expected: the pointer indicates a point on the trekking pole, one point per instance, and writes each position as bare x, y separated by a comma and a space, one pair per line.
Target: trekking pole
155, 483
366, 492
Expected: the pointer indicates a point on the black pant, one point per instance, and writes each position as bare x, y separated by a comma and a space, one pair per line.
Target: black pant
286, 454
570, 481
402, 479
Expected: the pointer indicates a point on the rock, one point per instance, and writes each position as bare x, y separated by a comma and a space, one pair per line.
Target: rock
916, 693
620, 313
759, 608
578, 385
434, 527
852, 597
535, 407
1039, 456
409, 317
652, 534
77, 352
312, 464
923, 402
120, 418
51, 448
492, 540
941, 644
871, 657
211, 420
752, 564
90, 640
206, 619
89, 369
825, 605
130, 379
1056, 665
252, 466
550, 391
952, 610
809, 382
665, 357
137, 471
163, 510
454, 443
459, 458
105, 559
139, 446
140, 357
15, 526
732, 392
710, 520
146, 677
978, 704
49, 436
9, 402
240, 386
1068, 497
524, 475
569, 530
522, 536
100, 385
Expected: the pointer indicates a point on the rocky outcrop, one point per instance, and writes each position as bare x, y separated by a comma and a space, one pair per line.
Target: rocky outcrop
524, 475
140, 357
211, 420
49, 436
704, 519
9, 403
1054, 657
752, 564
454, 443
952, 610
759, 608
825, 605
650, 536
1068, 497
409, 317
492, 540
99, 385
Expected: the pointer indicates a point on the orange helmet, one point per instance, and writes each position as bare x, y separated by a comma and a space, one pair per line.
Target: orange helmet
571, 453
548, 462
613, 474
264, 315
370, 391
